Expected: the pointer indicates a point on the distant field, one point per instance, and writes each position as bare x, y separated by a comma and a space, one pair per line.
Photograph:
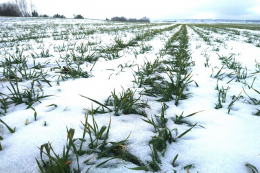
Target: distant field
81, 95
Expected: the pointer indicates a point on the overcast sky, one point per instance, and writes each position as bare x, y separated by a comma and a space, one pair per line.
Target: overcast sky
154, 9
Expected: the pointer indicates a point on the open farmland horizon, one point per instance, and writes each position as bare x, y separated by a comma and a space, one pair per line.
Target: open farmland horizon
86, 95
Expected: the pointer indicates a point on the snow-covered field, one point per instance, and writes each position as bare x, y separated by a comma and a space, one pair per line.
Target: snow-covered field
158, 97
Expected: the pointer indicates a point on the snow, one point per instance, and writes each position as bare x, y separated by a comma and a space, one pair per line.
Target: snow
225, 144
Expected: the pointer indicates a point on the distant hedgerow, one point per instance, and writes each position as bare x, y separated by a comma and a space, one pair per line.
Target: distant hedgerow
58, 16
78, 16
123, 19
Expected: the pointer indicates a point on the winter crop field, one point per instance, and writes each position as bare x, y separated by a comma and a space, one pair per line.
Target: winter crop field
82, 95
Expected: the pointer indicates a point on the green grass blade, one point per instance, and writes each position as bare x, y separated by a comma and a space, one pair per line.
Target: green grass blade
96, 102
174, 160
252, 167
187, 131
9, 128
140, 168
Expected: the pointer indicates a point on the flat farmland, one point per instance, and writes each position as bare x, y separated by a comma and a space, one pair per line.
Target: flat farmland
83, 95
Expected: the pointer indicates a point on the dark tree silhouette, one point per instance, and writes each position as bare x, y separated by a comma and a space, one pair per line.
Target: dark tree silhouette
79, 16
34, 14
58, 16
9, 9
123, 19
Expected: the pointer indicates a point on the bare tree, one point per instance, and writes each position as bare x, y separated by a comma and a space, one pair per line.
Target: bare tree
23, 7
32, 6
33, 9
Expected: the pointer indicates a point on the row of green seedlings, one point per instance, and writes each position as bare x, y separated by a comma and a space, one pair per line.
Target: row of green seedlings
121, 103
15, 46
15, 70
36, 76
79, 59
177, 69
23, 37
84, 52
112, 29
113, 52
209, 39
204, 35
73, 63
41, 33
233, 33
159, 142
147, 69
75, 34
67, 71
128, 102
70, 59
243, 26
239, 74
81, 49
207, 29
231, 63
115, 111
222, 93
251, 37
99, 147
16, 96
164, 137
227, 26
21, 72
221, 30
83, 33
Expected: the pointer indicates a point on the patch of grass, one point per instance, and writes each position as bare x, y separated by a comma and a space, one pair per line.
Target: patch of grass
222, 95
15, 58
126, 103
55, 162
69, 71
99, 144
181, 119
29, 96
172, 90
45, 53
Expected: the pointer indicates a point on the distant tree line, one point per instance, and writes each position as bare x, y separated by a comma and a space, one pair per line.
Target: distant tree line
20, 8
79, 16
58, 16
123, 19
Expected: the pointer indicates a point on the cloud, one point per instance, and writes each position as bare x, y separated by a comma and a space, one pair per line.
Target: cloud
231, 9
163, 9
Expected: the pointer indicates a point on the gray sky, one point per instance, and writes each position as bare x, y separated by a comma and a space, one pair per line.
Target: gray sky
154, 9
